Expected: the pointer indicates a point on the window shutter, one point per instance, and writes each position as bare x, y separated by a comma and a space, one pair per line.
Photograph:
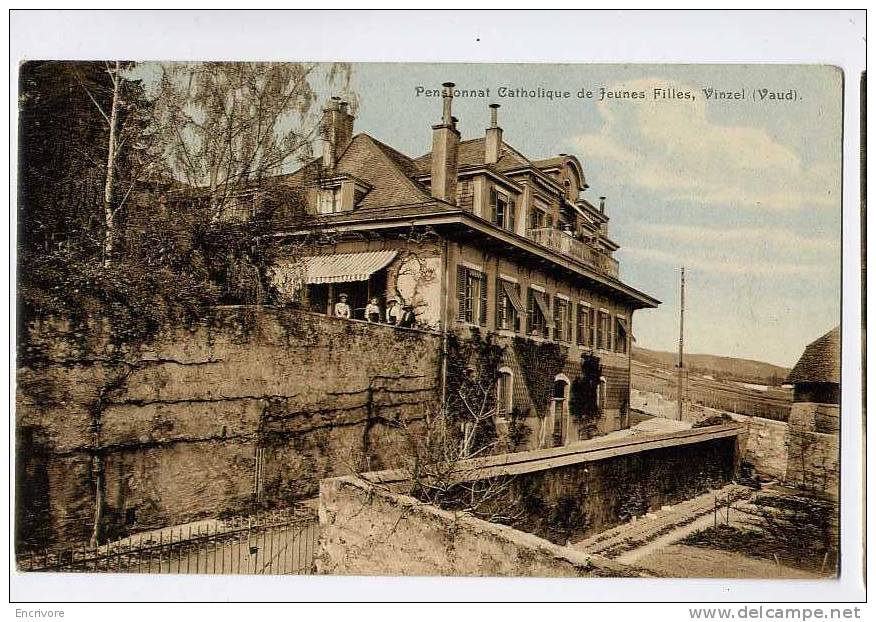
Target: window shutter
460, 291
569, 322
594, 329
493, 205
499, 301
530, 306
512, 208
517, 315
483, 309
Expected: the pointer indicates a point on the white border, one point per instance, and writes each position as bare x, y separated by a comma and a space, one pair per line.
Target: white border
827, 37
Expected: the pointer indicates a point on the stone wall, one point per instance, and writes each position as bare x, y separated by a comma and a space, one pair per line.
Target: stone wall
549, 497
570, 502
249, 405
365, 530
813, 448
766, 447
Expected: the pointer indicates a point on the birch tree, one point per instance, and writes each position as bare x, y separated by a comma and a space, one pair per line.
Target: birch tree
229, 126
131, 138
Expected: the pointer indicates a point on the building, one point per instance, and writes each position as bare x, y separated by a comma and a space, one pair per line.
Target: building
472, 236
814, 422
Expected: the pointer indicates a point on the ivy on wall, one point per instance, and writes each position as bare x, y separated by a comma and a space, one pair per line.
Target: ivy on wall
473, 365
583, 394
540, 363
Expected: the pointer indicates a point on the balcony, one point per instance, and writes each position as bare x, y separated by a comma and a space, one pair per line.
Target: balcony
560, 242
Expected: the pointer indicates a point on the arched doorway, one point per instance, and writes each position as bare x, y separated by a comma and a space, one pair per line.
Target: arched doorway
560, 410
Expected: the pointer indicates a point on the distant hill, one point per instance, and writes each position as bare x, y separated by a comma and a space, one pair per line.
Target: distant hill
719, 367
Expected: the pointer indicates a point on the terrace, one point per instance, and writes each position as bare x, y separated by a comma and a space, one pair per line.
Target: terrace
561, 242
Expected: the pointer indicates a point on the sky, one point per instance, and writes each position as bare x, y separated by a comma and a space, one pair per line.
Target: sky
744, 193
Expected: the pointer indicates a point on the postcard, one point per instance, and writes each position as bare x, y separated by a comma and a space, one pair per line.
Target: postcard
518, 320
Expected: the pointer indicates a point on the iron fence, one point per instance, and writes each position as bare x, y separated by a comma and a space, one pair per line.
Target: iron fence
273, 543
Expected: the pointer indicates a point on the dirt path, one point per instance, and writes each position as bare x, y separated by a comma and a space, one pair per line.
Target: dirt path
631, 541
679, 560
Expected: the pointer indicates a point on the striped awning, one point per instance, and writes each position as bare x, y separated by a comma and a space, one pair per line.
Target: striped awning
543, 306
511, 292
345, 267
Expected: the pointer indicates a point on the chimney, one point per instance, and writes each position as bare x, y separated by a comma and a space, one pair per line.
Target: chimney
445, 150
337, 131
602, 205
493, 144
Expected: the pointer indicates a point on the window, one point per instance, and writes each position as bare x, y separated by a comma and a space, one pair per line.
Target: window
620, 340
585, 326
601, 394
465, 194
605, 330
504, 392
538, 310
562, 319
328, 201
538, 219
471, 288
508, 305
501, 209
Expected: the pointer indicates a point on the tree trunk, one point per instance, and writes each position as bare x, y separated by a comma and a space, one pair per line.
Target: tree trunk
109, 186
99, 501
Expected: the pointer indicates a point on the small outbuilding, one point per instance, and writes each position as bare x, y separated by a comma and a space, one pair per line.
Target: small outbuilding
814, 422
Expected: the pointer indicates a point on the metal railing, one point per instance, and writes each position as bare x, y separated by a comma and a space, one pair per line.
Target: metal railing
561, 242
263, 544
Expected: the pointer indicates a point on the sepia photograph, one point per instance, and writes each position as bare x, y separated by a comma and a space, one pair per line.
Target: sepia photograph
428, 320
300, 318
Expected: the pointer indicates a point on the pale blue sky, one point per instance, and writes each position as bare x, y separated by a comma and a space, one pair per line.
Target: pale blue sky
745, 194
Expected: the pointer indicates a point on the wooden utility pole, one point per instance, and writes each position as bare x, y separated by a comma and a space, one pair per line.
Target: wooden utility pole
681, 352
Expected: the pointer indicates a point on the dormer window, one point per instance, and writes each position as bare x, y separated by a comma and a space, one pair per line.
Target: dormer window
329, 201
539, 218
340, 194
501, 209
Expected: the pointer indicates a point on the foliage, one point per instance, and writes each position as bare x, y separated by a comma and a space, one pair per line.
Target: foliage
518, 431
473, 364
231, 125
584, 392
799, 530
540, 363
721, 419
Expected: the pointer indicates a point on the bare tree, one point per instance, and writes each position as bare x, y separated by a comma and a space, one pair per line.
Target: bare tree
228, 126
131, 138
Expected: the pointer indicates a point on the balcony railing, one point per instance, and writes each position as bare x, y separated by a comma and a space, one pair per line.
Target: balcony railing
561, 242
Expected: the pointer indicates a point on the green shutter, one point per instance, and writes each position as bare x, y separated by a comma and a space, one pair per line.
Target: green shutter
460, 291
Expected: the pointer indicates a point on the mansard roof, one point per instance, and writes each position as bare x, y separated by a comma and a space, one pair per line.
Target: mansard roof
473, 153
390, 173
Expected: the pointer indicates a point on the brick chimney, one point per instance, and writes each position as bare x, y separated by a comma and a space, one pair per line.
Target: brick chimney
602, 204
445, 151
337, 131
493, 144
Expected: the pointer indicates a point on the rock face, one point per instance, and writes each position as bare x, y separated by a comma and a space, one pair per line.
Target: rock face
249, 405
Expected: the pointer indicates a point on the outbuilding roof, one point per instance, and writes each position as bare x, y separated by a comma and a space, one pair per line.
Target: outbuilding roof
820, 361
